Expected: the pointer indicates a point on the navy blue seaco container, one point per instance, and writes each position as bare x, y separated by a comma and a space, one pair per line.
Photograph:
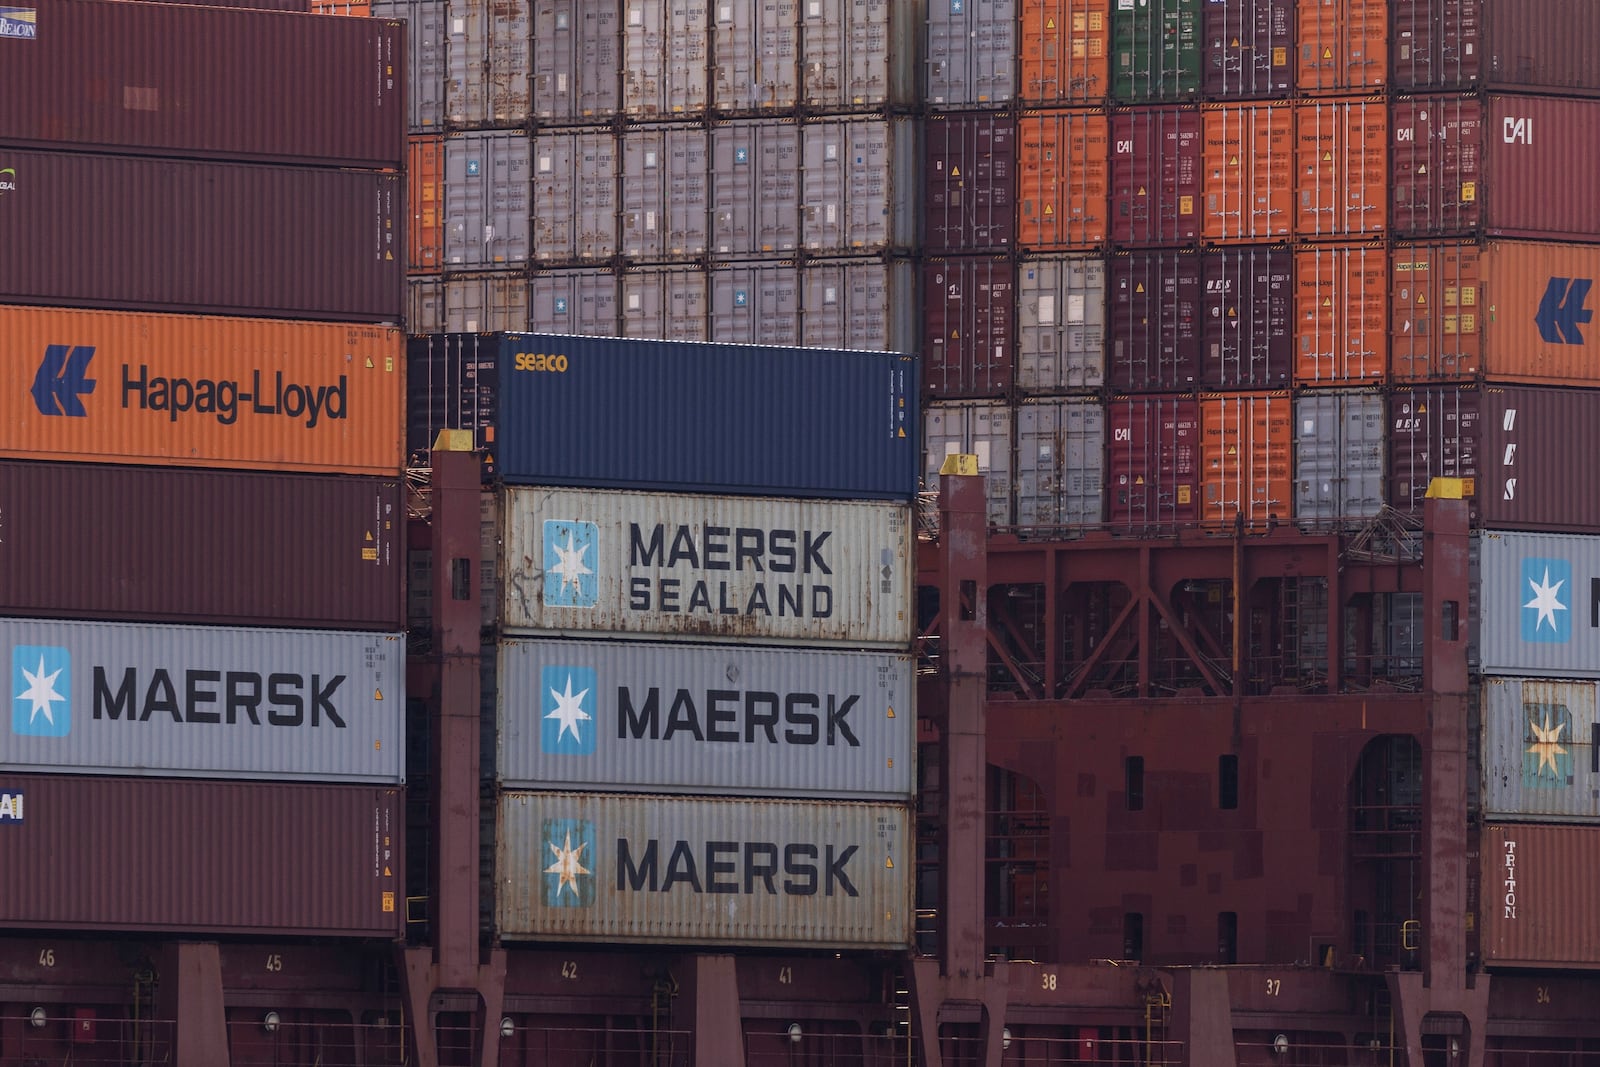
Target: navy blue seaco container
673, 415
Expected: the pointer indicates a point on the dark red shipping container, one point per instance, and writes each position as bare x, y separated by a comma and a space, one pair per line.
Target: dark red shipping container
967, 326
970, 174
224, 548
1433, 433
183, 235
1544, 46
1153, 468
184, 80
263, 5
1249, 48
1247, 336
1155, 175
197, 856
1153, 321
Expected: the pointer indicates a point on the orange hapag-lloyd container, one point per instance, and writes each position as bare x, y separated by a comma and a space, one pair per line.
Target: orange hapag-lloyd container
1341, 320
202, 391
1343, 44
1247, 457
341, 7
1065, 50
1342, 168
425, 182
1248, 163
1063, 191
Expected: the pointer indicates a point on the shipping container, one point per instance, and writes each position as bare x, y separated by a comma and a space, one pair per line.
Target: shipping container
193, 856
1061, 324
424, 305
755, 303
1155, 48
969, 179
1154, 321
1539, 744
1499, 165
475, 303
1343, 44
1061, 455
1065, 52
1538, 46
574, 195
488, 49
1063, 191
425, 186
1339, 460
982, 429
1538, 597
1153, 461
859, 55
1247, 318
183, 80
1249, 166
1537, 909
1341, 320
124, 387
703, 871
861, 303
203, 237
577, 61
427, 57
1341, 167
968, 340
1537, 458
301, 549
755, 187
642, 717
662, 302
755, 55
486, 199
355, 8
664, 174
972, 52
1155, 176
663, 58
580, 301
1248, 48
301, 6
1433, 433
858, 185
1247, 456
452, 382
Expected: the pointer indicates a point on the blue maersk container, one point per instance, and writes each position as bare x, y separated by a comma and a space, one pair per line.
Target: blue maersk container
551, 409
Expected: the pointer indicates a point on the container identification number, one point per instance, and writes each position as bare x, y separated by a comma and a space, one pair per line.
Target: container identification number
555, 363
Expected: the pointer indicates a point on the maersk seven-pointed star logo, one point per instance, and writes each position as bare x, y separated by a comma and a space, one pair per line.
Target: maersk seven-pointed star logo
566, 710
567, 863
1547, 760
41, 691
570, 548
1547, 587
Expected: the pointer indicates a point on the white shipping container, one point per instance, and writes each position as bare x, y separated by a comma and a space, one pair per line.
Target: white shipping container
868, 304
804, 572
664, 302
981, 429
858, 189
664, 175
857, 54
1539, 604
663, 58
574, 196
427, 55
1339, 459
488, 63
577, 55
755, 303
582, 301
1061, 323
1539, 750
486, 199
755, 60
755, 187
1061, 458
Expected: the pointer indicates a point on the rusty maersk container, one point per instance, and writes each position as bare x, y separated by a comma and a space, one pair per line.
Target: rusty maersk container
816, 572
734, 871
1539, 744
643, 717
202, 237
180, 80
195, 856
1537, 904
1542, 46
1537, 611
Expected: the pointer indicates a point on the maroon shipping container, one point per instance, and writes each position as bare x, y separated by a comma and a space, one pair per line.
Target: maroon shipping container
184, 80
970, 175
967, 330
183, 235
1155, 175
1249, 48
224, 548
1498, 165
1537, 458
1545, 46
1153, 462
1433, 433
1247, 336
1153, 321
1536, 895
197, 856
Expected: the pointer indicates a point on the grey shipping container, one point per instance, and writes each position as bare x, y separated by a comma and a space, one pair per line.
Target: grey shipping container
1061, 324
1539, 744
577, 57
427, 56
860, 303
1061, 461
205, 702
575, 301
489, 44
664, 175
858, 54
755, 55
972, 49
641, 717
485, 303
574, 196
755, 303
755, 187
659, 302
486, 189
585, 866
975, 429
812, 572
424, 305
1339, 458
1538, 604
191, 856
663, 58
859, 185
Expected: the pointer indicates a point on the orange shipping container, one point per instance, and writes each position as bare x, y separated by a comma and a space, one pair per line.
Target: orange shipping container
1064, 51
1063, 191
202, 391
1342, 167
340, 7
1341, 314
1249, 172
1344, 45
425, 185
1246, 452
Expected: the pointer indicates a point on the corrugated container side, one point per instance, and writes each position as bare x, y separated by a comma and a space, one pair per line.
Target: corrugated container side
1535, 763
1155, 48
968, 345
1342, 167
1344, 45
1247, 453
574, 196
1249, 48
972, 54
452, 383
1061, 324
1153, 460
665, 302
1528, 45
424, 305
1433, 433
182, 80
664, 176
855, 55
858, 185
688, 402
663, 59
755, 55
488, 48
1537, 598
170, 234
357, 8
868, 304
124, 387
1341, 322
1428, 41
1154, 313
194, 856
1339, 457
1436, 330
476, 303
322, 550
581, 301
577, 61
969, 183
974, 429
427, 57
425, 186
1061, 449
1063, 192
1065, 52
486, 199
1155, 176
755, 304
1247, 331
1437, 164
813, 572
642, 717
1248, 165
755, 187
1538, 455
1536, 908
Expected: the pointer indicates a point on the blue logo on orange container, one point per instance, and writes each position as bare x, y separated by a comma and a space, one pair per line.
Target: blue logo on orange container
41, 691
567, 863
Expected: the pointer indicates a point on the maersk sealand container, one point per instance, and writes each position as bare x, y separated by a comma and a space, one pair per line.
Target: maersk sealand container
679, 416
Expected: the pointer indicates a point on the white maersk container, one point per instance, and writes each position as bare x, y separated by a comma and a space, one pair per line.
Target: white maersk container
1539, 740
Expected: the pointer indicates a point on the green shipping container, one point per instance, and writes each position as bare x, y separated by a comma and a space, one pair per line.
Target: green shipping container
1155, 45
